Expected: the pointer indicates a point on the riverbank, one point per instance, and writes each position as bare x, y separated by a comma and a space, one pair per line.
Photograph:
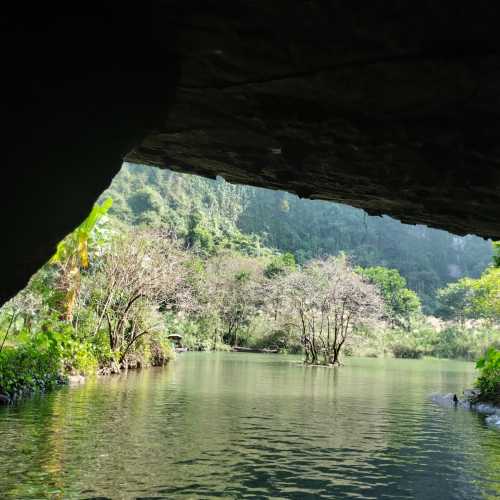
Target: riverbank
40, 386
470, 402
254, 350
38, 367
25, 370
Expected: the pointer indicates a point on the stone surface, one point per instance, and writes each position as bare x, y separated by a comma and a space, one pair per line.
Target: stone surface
493, 420
471, 394
391, 107
491, 411
387, 111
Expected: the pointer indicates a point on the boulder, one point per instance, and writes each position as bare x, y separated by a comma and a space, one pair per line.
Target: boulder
471, 394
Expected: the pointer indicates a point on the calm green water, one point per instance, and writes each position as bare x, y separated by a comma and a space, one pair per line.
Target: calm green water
253, 426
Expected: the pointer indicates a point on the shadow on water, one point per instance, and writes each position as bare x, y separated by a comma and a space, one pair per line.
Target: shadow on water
247, 425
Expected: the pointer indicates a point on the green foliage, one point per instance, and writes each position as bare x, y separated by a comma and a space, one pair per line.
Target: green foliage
79, 356
472, 298
160, 352
199, 237
402, 304
456, 300
277, 338
202, 212
212, 215
488, 381
81, 313
496, 253
428, 259
426, 338
146, 205
72, 255
30, 367
405, 351
75, 245
41, 360
455, 342
486, 295
197, 335
280, 265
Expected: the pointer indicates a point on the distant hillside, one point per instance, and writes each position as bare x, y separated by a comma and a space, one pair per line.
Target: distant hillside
250, 219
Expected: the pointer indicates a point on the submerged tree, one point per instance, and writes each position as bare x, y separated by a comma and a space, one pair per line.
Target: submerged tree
328, 301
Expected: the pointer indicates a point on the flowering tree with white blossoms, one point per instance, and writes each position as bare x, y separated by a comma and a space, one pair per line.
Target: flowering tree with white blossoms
326, 301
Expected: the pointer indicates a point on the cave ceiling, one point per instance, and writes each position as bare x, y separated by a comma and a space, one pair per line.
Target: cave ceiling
392, 107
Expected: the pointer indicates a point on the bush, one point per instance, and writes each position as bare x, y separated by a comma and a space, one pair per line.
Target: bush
42, 361
456, 342
277, 339
78, 357
489, 379
406, 351
27, 368
160, 352
197, 335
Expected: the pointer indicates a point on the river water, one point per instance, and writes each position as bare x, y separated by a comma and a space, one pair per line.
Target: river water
231, 425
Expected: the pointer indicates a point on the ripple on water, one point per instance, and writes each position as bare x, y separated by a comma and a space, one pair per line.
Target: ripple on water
250, 426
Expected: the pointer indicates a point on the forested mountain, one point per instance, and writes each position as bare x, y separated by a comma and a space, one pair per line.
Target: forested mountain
213, 213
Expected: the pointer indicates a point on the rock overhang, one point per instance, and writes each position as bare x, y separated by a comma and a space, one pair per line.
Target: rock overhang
393, 107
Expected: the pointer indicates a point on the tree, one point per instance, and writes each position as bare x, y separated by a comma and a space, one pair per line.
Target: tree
198, 237
456, 300
328, 301
496, 253
473, 298
401, 303
147, 206
486, 295
488, 381
72, 255
280, 264
141, 273
26, 305
236, 284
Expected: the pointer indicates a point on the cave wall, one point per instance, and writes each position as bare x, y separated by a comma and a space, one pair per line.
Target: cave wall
78, 93
392, 107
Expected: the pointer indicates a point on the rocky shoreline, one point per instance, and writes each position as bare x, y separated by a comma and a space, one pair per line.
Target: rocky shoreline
470, 402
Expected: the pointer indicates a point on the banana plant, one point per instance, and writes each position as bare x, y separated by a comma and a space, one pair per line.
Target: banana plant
72, 255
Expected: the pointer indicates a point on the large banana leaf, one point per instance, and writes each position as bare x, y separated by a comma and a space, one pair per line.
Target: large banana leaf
77, 242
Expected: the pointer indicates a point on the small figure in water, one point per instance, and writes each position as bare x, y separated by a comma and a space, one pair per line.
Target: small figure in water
455, 399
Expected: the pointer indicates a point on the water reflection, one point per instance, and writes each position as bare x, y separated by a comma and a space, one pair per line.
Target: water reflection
236, 425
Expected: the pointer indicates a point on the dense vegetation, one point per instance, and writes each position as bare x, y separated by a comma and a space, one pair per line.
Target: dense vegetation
226, 266
215, 213
489, 379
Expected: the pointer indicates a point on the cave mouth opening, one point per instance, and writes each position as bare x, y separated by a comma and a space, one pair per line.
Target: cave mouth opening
149, 195
212, 215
